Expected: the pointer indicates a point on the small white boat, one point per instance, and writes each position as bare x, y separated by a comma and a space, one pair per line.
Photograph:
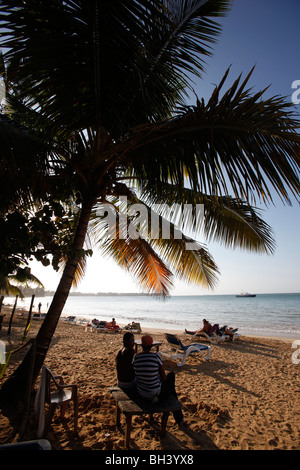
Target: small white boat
245, 294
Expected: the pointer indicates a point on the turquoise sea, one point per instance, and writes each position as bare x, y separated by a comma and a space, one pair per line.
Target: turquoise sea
263, 315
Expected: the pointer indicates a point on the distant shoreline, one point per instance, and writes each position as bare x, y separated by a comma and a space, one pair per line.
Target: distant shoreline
93, 294
49, 293
136, 294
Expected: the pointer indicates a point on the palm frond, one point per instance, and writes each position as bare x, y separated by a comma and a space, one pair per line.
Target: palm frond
80, 269
177, 39
188, 259
7, 288
238, 143
22, 276
223, 219
25, 163
25, 276
135, 246
154, 44
134, 254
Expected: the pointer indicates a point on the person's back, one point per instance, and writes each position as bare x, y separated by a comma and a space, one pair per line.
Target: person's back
151, 380
125, 371
147, 371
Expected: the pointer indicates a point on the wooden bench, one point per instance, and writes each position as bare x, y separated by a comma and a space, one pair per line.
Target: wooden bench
130, 404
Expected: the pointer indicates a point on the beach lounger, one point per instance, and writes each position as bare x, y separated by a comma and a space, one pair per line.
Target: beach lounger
101, 327
214, 338
179, 352
39, 316
71, 319
133, 327
230, 333
232, 337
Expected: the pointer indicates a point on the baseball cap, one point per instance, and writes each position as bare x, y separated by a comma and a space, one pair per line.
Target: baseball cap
147, 340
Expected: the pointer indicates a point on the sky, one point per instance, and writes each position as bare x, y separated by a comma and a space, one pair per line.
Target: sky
264, 33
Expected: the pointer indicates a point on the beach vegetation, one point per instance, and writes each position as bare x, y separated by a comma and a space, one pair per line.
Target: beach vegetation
27, 234
101, 89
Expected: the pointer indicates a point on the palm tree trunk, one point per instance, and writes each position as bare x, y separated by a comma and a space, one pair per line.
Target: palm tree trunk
49, 325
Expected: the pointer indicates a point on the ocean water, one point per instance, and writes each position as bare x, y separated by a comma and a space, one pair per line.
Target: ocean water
263, 315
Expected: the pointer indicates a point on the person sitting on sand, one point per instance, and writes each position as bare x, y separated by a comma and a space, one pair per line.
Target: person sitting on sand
125, 370
151, 380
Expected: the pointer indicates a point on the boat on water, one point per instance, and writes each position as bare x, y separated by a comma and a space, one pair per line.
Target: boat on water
245, 294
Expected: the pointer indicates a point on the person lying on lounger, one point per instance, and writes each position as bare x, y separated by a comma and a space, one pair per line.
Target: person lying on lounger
210, 330
207, 328
228, 330
112, 325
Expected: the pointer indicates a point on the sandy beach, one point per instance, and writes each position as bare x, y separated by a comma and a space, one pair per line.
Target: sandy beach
247, 397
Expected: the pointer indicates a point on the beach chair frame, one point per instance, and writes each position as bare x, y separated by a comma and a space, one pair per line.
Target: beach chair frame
179, 352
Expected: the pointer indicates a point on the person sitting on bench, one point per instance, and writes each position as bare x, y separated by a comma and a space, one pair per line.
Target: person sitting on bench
151, 380
125, 371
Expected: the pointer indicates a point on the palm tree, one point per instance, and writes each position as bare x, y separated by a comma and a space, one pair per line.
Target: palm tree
106, 83
23, 276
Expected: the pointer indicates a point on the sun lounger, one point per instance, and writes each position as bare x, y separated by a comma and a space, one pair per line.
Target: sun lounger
232, 337
38, 316
214, 338
71, 319
101, 326
133, 327
179, 352
230, 333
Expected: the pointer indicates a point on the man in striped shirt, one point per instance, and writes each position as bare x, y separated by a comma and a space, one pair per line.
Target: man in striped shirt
151, 380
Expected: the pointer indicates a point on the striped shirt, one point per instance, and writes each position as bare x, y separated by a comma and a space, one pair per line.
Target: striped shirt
146, 366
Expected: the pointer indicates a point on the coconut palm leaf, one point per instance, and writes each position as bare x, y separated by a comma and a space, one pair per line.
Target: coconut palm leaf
223, 219
22, 276
7, 288
139, 259
173, 48
80, 269
149, 43
26, 164
238, 143
131, 241
132, 253
25, 276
